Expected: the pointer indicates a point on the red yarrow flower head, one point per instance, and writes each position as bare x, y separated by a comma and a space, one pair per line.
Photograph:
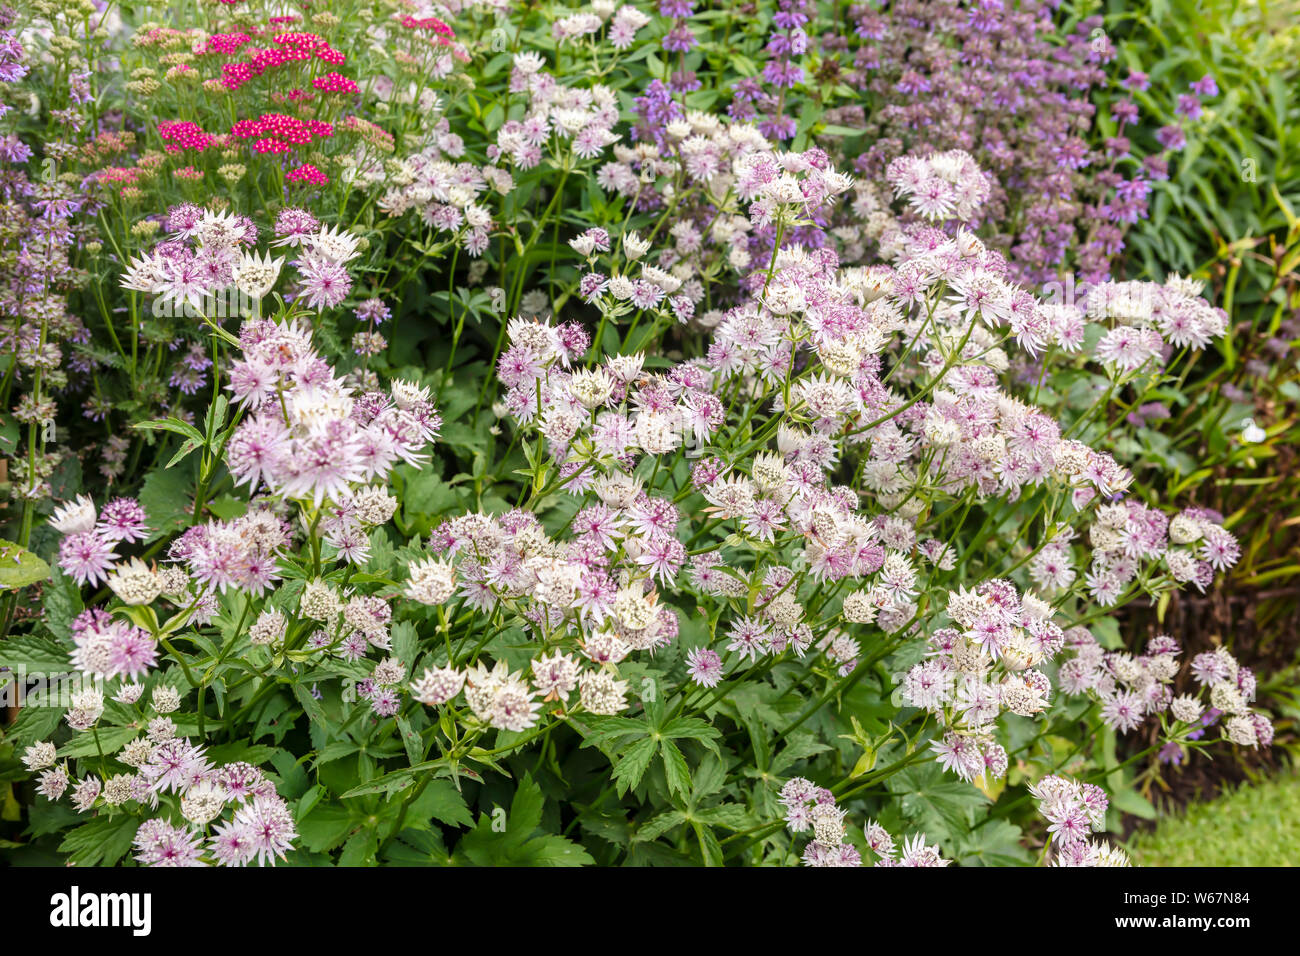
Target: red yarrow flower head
335, 83
307, 174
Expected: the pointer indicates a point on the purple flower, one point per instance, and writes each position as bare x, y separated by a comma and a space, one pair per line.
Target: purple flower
1171, 137
1137, 80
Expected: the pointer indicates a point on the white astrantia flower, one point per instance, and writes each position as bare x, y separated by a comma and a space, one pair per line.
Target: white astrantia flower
75, 517
255, 275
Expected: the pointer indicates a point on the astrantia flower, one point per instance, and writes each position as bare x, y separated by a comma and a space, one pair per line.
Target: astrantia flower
268, 825
255, 276
162, 844
123, 519
75, 517
175, 765
438, 685
87, 557
325, 283
704, 666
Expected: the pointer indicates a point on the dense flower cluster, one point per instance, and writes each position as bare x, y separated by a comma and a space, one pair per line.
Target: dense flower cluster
1074, 812
1131, 688
810, 807
306, 435
257, 825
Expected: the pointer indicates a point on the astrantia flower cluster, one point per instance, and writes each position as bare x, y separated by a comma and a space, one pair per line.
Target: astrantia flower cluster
1074, 811
227, 815
1132, 688
809, 807
306, 434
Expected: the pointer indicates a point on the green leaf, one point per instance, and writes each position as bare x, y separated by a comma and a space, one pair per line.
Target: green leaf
518, 843
111, 740
657, 827
360, 849
417, 848
406, 643
935, 803
326, 826
33, 724
167, 497
101, 842
694, 729
1132, 802
61, 599
32, 653
710, 848
552, 850
631, 767
19, 567
411, 741
676, 769
733, 816
440, 801
173, 425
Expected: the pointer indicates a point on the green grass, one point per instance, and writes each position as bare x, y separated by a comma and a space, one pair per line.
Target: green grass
1251, 826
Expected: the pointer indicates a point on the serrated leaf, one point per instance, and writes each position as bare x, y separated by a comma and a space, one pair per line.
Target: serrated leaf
631, 767
443, 802
101, 842
33, 654
658, 826
326, 827
676, 768
167, 497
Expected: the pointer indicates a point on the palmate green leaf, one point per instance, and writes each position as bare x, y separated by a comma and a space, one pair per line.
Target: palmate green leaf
692, 728
937, 804
101, 842
440, 801
326, 827
518, 843
996, 843
417, 848
167, 497
598, 731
